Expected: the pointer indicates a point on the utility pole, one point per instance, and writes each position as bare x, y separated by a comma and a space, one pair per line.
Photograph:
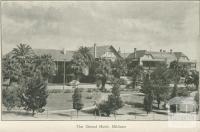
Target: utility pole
64, 76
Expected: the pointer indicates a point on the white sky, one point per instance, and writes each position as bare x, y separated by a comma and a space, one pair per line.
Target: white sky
144, 25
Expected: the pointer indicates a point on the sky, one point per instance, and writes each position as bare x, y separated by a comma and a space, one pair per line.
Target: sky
143, 25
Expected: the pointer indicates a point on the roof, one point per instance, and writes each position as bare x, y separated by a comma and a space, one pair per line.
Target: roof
182, 100
57, 55
100, 50
139, 53
156, 54
125, 55
179, 54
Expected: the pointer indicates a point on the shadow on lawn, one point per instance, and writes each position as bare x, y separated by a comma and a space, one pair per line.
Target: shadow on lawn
138, 114
160, 112
22, 113
61, 114
135, 104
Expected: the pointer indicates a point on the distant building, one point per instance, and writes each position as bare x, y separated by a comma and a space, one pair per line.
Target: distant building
105, 51
63, 58
149, 59
182, 104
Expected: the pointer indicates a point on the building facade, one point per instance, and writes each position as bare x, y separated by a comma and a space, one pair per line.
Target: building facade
63, 58
149, 59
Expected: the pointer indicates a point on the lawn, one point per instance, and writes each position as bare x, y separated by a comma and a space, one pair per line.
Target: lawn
59, 107
63, 101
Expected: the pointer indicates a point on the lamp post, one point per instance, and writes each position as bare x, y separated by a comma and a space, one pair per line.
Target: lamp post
64, 75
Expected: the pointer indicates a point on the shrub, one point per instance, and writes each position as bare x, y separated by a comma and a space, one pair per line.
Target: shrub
105, 108
89, 97
123, 81
114, 101
35, 95
89, 90
10, 98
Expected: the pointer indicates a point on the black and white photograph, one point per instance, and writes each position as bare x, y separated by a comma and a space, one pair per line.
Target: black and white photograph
100, 61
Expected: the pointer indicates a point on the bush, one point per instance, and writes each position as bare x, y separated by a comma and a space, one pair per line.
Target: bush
89, 97
123, 81
114, 101
35, 95
182, 91
90, 90
10, 98
105, 108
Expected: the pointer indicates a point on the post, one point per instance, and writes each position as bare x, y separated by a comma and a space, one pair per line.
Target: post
186, 108
71, 114
64, 76
47, 112
135, 114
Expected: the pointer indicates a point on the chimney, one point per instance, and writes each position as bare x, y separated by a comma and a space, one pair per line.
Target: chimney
95, 50
119, 50
171, 51
135, 49
160, 50
64, 51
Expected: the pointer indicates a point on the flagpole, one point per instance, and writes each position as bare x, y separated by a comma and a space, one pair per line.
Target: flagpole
64, 76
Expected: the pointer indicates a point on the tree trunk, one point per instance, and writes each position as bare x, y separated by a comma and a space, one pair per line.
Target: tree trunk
158, 101
77, 113
33, 112
115, 115
103, 84
159, 105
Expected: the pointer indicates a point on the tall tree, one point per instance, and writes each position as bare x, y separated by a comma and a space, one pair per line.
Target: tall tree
83, 61
160, 82
103, 72
45, 65
77, 100
176, 71
148, 102
22, 53
193, 78
137, 75
11, 69
35, 94
34, 86
31, 73
119, 68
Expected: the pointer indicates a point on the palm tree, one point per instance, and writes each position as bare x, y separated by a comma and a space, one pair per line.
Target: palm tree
22, 50
82, 60
87, 56
45, 65
22, 53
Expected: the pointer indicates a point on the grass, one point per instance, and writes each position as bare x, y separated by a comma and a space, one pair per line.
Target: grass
63, 101
60, 91
60, 100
